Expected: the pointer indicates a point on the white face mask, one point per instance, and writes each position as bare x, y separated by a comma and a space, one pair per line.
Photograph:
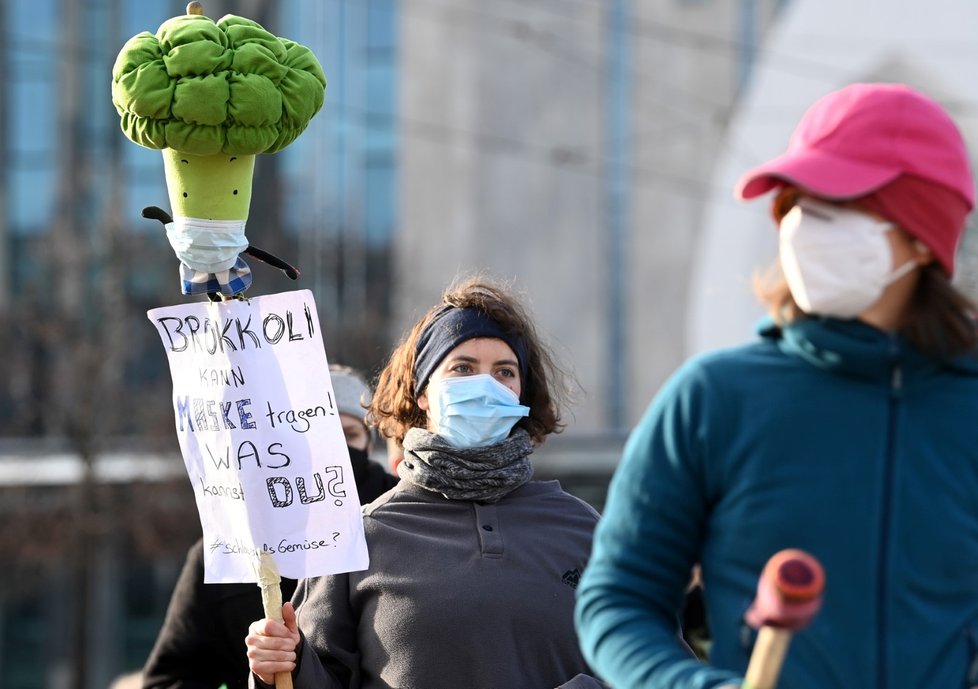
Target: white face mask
209, 246
837, 261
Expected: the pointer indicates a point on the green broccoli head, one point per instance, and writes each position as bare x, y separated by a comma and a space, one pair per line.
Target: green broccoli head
204, 88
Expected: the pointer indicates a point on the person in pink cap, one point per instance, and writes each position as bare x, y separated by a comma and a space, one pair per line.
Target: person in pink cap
849, 429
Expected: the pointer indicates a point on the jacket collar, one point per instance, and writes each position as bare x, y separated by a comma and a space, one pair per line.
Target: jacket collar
854, 348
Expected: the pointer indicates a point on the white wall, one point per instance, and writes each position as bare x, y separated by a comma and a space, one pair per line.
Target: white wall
819, 46
505, 156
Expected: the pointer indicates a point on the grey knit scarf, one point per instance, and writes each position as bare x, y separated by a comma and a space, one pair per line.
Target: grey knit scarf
483, 474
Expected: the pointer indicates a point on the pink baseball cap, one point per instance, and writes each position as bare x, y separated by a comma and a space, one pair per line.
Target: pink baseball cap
853, 142
861, 137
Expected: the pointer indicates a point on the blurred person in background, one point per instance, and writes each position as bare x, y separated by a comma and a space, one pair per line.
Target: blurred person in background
848, 431
201, 644
473, 565
352, 398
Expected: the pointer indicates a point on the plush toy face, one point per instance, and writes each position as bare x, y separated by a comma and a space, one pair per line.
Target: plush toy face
210, 187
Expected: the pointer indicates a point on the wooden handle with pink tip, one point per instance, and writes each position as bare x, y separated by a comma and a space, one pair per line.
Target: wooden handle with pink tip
789, 595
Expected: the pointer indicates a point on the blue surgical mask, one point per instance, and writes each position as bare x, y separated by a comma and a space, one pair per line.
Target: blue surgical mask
474, 411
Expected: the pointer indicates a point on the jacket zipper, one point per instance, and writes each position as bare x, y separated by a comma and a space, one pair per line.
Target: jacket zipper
896, 388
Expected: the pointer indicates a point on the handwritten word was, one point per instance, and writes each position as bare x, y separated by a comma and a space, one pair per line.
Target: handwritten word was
247, 453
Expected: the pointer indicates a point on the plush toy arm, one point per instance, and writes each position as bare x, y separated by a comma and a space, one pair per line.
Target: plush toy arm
274, 261
157, 213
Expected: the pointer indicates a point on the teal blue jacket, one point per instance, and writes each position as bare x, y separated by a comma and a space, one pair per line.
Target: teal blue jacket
829, 436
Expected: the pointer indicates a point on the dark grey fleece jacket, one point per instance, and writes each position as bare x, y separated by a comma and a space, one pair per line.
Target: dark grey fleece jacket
458, 594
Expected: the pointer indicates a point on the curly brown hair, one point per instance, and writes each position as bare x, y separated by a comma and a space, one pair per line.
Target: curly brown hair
394, 408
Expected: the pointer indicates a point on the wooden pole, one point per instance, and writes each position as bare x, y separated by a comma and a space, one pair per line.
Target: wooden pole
789, 595
767, 657
271, 599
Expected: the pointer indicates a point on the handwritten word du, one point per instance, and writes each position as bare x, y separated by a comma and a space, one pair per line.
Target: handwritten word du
190, 334
281, 494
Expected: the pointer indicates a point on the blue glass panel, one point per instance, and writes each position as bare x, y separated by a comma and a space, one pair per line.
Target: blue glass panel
333, 168
381, 24
32, 22
147, 15
379, 201
32, 116
31, 201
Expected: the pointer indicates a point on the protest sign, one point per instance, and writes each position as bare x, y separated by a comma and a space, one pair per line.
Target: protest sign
261, 437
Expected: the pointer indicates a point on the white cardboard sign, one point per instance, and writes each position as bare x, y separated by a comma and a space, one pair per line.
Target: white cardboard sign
261, 438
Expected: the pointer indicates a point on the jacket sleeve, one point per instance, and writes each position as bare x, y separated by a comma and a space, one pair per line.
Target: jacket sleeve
631, 594
185, 654
584, 682
328, 657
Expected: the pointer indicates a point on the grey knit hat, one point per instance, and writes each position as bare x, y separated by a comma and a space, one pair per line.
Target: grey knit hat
352, 392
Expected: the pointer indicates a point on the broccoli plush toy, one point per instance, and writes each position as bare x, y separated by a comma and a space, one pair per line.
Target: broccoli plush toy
211, 96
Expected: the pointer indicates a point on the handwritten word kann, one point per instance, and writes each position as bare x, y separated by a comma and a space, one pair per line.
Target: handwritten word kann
215, 377
190, 334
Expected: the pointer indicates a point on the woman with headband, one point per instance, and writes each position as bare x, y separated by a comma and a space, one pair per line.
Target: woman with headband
473, 566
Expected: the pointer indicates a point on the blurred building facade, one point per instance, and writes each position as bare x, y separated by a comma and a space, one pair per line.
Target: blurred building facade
567, 146
97, 510
580, 149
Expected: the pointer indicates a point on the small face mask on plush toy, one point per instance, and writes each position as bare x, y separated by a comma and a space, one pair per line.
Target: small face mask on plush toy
211, 96
208, 246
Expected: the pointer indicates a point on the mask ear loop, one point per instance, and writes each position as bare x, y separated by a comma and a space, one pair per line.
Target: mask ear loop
922, 248
925, 255
907, 267
912, 264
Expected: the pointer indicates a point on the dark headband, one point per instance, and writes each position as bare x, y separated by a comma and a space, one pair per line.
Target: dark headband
450, 328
